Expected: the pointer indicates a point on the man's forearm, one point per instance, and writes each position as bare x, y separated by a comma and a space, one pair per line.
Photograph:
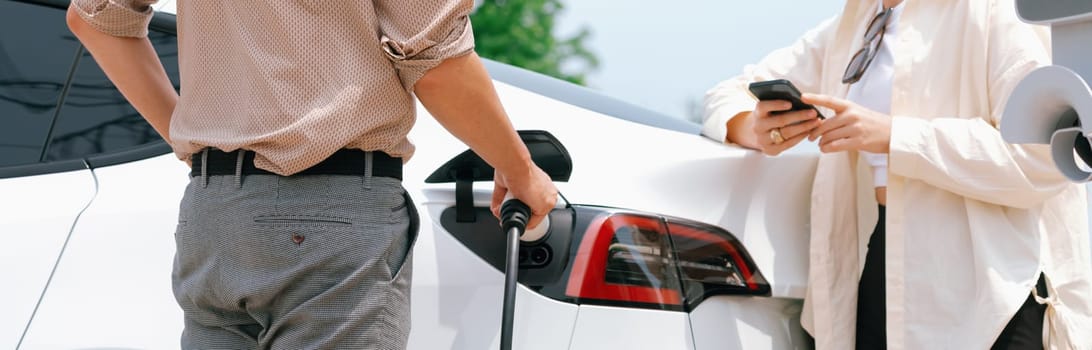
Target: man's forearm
460, 95
134, 67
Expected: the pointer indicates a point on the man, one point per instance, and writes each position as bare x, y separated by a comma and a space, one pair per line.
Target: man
295, 232
972, 241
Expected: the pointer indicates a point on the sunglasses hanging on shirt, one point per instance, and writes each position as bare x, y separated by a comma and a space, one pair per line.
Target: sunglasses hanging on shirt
872, 39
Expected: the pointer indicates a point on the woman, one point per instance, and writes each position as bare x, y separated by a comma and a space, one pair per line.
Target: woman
961, 226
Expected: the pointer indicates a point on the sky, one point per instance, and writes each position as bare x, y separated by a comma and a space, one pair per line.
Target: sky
664, 55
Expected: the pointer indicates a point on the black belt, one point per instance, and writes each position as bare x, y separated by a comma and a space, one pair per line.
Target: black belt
342, 162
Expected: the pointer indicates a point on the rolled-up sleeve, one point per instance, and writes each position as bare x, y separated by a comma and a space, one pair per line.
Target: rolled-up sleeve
418, 35
124, 18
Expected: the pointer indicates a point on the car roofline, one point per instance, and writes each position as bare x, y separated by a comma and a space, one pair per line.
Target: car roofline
584, 97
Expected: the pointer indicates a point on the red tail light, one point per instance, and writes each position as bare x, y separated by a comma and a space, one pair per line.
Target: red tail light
625, 258
641, 260
713, 262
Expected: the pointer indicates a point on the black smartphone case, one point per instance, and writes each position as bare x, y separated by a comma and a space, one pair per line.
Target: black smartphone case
781, 89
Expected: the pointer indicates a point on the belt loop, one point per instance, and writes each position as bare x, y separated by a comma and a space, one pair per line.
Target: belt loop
239, 168
205, 168
368, 170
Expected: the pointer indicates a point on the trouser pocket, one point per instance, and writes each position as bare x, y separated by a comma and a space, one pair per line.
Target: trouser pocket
403, 217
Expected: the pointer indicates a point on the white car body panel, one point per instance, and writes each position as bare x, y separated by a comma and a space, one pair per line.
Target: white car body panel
736, 322
113, 285
602, 327
608, 176
764, 201
36, 214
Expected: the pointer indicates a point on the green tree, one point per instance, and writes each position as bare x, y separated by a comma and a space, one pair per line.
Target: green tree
520, 33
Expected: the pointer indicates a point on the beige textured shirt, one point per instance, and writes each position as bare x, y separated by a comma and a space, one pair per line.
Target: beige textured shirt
297, 80
971, 220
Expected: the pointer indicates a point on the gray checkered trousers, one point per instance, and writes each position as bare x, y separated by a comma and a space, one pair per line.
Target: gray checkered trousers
301, 262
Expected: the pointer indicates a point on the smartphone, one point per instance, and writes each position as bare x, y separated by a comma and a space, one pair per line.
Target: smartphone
781, 89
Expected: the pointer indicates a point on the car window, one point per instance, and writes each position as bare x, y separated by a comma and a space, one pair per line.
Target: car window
36, 54
96, 118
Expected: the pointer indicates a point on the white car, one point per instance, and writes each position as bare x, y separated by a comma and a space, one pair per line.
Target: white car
669, 240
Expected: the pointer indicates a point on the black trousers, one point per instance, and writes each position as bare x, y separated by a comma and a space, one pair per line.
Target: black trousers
1024, 331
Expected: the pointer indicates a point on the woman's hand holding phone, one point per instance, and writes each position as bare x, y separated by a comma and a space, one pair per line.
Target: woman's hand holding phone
781, 119
773, 118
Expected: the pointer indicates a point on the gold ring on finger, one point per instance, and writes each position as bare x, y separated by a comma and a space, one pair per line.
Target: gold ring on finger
775, 136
